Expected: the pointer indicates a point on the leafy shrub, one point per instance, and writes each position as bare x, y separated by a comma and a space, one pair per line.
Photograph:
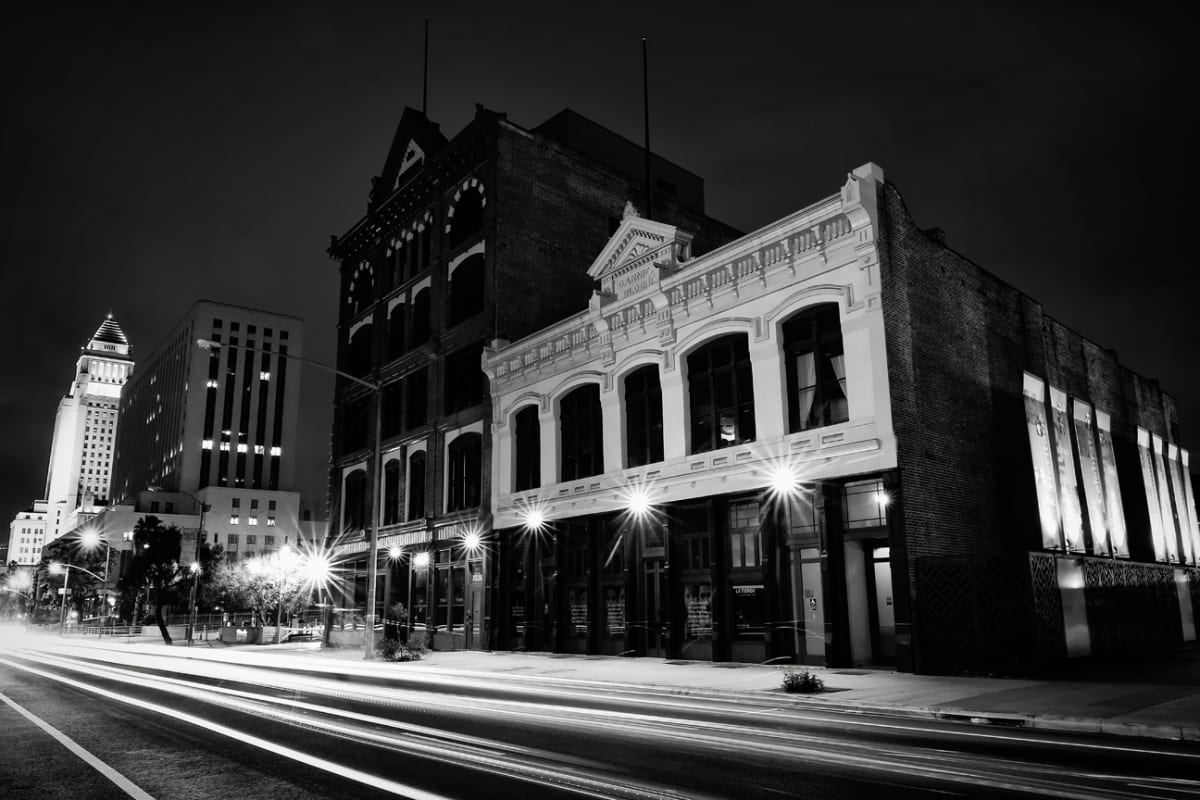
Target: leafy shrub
802, 681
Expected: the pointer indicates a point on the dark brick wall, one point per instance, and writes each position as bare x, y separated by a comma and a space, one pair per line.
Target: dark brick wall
554, 210
958, 341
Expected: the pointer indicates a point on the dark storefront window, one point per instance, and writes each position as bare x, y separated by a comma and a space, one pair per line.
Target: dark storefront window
581, 427
696, 580
721, 394
449, 591
527, 432
643, 417
420, 582
816, 368
748, 598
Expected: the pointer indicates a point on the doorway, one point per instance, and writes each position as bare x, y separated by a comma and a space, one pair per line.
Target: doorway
655, 611
883, 604
474, 620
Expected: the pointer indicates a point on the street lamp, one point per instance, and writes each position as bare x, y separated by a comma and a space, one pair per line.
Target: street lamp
195, 565
90, 539
55, 568
377, 389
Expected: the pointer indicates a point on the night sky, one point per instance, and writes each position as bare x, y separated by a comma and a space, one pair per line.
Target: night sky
153, 157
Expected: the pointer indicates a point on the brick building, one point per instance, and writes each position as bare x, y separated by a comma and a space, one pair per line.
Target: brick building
832, 441
484, 235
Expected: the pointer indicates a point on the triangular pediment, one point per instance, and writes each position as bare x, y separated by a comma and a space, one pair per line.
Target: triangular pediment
636, 255
416, 140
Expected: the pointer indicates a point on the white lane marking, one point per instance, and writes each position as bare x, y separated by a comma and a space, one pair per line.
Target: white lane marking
123, 783
394, 787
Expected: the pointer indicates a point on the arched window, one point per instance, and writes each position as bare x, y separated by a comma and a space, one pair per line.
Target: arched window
399, 250
420, 318
465, 456
391, 492
354, 501
816, 368
468, 217
416, 485
396, 331
643, 417
416, 398
354, 425
721, 394
527, 440
466, 289
582, 433
362, 288
360, 351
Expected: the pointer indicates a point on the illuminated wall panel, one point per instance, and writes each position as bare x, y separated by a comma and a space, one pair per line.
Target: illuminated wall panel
1089, 468
1152, 503
1072, 513
1118, 537
1158, 450
1043, 461
1182, 512
1189, 498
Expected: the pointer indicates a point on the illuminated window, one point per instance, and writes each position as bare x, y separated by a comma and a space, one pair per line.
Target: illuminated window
264, 376
270, 522
251, 520
864, 504
276, 450
233, 519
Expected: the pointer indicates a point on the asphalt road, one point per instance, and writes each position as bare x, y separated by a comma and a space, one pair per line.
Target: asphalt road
103, 721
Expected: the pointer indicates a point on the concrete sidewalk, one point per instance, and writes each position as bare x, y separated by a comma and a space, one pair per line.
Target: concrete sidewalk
1160, 710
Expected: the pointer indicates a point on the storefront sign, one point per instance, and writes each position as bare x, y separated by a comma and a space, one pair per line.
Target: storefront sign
1043, 462
1072, 513
1089, 468
1115, 510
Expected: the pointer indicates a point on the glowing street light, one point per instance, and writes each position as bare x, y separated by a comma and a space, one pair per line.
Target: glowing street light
376, 493
58, 568
90, 539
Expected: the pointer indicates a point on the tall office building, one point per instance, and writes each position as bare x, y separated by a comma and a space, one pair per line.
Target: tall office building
82, 446
216, 428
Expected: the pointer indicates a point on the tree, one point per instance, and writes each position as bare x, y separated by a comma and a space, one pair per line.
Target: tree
84, 587
154, 566
280, 582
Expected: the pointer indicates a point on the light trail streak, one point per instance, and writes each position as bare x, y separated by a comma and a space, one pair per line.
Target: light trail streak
471, 752
720, 736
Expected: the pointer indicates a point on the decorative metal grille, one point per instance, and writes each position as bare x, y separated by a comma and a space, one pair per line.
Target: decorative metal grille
1131, 606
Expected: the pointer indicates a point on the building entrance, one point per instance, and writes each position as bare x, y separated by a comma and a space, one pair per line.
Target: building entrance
474, 621
883, 605
656, 608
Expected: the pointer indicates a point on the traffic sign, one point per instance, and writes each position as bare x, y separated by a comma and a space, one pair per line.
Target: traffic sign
66, 591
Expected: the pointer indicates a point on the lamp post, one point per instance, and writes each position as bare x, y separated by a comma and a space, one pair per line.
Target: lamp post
90, 539
377, 389
195, 565
55, 568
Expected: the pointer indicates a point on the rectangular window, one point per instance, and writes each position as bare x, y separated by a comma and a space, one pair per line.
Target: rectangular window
528, 436
864, 504
270, 541
745, 535
251, 520
643, 417
270, 522
416, 398
232, 539
251, 539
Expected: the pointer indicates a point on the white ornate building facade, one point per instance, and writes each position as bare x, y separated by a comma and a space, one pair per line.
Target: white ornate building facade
813, 445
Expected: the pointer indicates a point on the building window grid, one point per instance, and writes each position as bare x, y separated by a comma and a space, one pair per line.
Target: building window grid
721, 394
